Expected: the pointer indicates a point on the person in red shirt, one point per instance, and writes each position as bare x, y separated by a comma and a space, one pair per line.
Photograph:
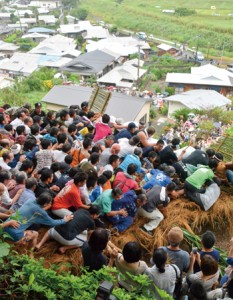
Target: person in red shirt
69, 196
125, 181
102, 129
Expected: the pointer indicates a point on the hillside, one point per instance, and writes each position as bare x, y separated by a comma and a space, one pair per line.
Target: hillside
214, 26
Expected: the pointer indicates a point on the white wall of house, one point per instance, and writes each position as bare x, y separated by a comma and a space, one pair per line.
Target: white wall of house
173, 106
47, 4
144, 111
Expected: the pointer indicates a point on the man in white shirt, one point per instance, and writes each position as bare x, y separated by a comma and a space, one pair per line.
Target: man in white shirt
59, 156
19, 120
6, 158
128, 146
28, 123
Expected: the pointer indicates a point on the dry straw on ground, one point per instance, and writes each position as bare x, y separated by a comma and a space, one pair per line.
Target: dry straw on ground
181, 213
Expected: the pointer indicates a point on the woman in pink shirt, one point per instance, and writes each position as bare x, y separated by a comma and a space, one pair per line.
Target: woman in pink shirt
102, 129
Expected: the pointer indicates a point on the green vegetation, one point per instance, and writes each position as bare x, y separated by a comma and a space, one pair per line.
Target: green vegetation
31, 89
147, 16
22, 277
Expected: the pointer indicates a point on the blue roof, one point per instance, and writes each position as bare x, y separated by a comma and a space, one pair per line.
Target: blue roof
41, 30
44, 58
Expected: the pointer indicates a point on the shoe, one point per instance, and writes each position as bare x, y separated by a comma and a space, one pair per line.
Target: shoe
114, 231
146, 231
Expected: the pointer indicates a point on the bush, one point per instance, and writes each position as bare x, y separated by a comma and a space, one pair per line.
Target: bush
181, 112
183, 11
170, 90
164, 110
153, 113
82, 14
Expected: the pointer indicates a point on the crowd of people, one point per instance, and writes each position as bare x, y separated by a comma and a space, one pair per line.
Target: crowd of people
87, 177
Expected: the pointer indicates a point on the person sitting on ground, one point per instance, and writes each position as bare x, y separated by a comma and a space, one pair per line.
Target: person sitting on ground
59, 155
64, 170
74, 233
209, 273
98, 190
44, 157
168, 156
70, 197
20, 180
6, 201
225, 292
159, 177
134, 158
147, 162
176, 255
130, 262
34, 212
128, 146
81, 153
163, 275
113, 163
45, 183
130, 202
195, 182
102, 129
27, 195
155, 208
90, 166
104, 156
104, 201
125, 180
87, 189
126, 133
92, 251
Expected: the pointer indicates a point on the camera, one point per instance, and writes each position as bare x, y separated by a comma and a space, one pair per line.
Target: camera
194, 250
104, 291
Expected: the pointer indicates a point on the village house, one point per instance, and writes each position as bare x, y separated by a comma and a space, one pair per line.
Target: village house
42, 30
124, 76
120, 106
28, 21
167, 49
196, 99
125, 46
50, 4
55, 45
94, 63
205, 77
35, 37
47, 19
8, 49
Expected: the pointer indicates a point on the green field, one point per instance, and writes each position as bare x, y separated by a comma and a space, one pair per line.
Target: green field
147, 16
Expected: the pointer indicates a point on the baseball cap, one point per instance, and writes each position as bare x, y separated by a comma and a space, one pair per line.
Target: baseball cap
131, 125
15, 149
84, 104
175, 235
38, 104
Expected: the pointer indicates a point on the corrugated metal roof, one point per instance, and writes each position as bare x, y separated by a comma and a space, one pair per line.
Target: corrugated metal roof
200, 99
120, 105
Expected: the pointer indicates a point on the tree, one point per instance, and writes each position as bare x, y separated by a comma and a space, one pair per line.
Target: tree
82, 14
113, 29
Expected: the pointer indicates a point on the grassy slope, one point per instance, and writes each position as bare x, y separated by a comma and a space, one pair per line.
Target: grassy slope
145, 16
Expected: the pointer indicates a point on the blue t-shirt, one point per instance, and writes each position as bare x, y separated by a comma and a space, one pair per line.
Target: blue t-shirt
158, 178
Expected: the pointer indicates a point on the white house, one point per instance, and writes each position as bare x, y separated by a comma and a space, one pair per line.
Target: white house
5, 81
50, 4
35, 37
123, 76
47, 19
96, 32
122, 45
55, 45
21, 13
196, 99
28, 20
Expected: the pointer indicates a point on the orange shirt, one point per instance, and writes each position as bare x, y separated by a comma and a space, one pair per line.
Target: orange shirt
68, 196
107, 186
78, 156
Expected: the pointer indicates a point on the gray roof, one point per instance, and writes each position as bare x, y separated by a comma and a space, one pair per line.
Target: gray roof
200, 99
120, 105
94, 61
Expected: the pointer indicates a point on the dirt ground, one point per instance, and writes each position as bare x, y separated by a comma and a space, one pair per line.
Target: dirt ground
181, 213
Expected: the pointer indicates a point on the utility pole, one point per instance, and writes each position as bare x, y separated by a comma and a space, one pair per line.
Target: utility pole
208, 50
138, 69
197, 46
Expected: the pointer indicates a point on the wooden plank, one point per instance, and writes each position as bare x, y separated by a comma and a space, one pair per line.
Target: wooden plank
99, 100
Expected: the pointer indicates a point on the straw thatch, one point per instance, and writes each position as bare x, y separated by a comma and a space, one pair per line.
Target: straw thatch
181, 212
